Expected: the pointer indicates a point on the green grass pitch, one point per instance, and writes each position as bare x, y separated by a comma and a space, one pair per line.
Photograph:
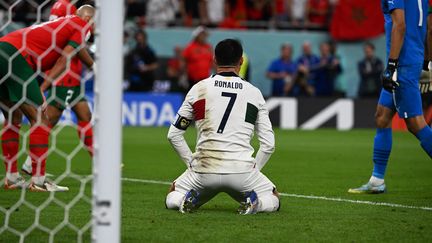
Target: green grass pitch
320, 163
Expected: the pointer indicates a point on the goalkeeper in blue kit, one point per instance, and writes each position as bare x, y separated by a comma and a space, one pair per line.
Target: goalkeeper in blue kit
405, 29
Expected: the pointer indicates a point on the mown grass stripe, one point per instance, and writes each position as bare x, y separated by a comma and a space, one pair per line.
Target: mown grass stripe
393, 205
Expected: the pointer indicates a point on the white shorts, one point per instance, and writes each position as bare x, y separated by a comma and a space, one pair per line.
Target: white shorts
235, 185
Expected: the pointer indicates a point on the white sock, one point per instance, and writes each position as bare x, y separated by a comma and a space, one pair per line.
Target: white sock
376, 181
12, 176
28, 162
268, 203
174, 200
38, 180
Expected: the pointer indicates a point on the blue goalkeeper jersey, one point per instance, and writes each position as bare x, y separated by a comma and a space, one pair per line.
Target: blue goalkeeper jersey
412, 52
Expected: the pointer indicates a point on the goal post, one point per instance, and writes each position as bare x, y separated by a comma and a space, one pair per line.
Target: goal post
67, 209
108, 122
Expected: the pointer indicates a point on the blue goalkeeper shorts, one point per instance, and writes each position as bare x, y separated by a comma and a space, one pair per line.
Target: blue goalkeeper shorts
406, 99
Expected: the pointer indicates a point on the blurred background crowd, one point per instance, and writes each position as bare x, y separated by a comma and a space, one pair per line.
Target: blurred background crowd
307, 74
240, 14
293, 71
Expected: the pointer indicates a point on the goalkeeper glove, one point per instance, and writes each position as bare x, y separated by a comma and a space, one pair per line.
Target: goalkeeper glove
389, 76
425, 87
94, 67
426, 77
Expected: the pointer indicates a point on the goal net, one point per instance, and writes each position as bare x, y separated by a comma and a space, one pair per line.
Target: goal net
77, 199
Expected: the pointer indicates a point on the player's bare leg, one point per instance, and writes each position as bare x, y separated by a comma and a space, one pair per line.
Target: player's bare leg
384, 117
53, 114
381, 153
10, 146
415, 124
418, 126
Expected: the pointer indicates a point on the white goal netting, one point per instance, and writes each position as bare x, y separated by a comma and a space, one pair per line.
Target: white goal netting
26, 215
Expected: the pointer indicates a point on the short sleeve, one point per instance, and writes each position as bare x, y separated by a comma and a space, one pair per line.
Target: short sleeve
78, 34
76, 39
273, 67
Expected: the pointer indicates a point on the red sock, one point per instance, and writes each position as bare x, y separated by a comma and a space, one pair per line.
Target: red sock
10, 146
39, 136
85, 133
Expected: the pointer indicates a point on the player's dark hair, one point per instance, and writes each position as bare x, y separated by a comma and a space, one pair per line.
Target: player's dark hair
141, 32
285, 45
228, 52
370, 45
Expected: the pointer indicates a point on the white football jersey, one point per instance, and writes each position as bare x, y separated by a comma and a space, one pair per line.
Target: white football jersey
226, 110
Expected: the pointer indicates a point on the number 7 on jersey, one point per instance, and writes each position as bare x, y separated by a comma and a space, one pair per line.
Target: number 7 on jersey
233, 97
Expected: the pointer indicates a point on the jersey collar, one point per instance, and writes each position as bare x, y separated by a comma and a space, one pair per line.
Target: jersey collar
228, 74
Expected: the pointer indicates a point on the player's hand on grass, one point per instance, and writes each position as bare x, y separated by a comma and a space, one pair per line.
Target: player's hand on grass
389, 76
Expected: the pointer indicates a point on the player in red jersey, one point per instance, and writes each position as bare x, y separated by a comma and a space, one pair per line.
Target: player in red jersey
198, 56
46, 46
67, 91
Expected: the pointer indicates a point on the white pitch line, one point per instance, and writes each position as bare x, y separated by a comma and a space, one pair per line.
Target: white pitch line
147, 181
393, 205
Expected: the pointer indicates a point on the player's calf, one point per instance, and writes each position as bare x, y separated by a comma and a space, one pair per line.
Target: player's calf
383, 117
54, 114
418, 126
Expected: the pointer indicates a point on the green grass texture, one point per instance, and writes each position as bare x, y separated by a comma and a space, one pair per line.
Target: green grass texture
322, 163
